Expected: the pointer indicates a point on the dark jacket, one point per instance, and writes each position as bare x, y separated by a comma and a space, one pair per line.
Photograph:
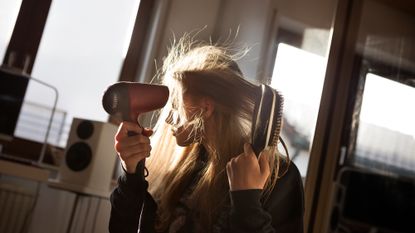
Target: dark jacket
282, 212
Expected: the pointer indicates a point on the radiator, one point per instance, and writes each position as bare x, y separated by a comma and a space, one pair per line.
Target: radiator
16, 207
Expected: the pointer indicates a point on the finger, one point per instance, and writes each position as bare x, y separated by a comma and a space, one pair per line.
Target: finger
228, 169
229, 172
134, 140
263, 161
142, 154
147, 132
135, 158
248, 150
235, 160
126, 127
133, 150
128, 142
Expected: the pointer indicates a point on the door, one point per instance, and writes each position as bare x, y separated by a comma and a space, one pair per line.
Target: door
366, 122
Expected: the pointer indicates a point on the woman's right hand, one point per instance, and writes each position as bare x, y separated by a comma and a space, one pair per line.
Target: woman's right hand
132, 149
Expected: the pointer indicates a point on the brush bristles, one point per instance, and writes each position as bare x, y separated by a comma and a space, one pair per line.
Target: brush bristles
278, 120
267, 119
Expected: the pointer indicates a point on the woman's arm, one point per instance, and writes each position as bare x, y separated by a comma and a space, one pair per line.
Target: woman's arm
126, 203
130, 201
282, 211
132, 207
247, 213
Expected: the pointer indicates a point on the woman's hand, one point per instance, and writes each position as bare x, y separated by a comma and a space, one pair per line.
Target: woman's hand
246, 171
132, 149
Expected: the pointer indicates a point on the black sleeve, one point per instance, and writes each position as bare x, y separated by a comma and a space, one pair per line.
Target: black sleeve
282, 212
127, 201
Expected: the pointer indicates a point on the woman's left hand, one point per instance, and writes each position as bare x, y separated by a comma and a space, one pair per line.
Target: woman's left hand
246, 171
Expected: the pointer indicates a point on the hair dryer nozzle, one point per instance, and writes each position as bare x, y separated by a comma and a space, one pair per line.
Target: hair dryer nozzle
130, 99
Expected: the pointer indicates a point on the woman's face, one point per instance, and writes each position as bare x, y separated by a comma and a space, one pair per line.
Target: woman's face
184, 134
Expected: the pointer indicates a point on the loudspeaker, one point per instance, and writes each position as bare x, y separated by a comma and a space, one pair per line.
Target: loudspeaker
89, 158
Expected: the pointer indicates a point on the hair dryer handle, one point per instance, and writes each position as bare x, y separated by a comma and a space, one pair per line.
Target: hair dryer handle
141, 168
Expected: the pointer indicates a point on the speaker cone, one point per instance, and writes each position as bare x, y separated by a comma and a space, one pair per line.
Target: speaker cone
78, 156
85, 130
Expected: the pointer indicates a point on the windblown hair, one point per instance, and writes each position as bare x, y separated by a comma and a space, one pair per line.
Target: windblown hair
201, 70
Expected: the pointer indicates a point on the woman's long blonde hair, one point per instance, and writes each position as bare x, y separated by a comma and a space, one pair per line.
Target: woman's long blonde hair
201, 70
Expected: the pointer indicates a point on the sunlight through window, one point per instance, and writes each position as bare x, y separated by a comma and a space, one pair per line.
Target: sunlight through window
299, 76
81, 53
386, 133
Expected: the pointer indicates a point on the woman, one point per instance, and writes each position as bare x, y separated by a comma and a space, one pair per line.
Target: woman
202, 174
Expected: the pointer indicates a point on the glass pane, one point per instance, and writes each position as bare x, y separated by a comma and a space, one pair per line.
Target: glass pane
299, 76
9, 9
385, 51
386, 135
81, 53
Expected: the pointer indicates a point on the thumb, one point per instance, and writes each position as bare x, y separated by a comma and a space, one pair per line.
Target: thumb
263, 161
147, 132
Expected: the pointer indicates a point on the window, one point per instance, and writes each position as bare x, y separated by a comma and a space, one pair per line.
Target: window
82, 50
299, 76
382, 137
386, 134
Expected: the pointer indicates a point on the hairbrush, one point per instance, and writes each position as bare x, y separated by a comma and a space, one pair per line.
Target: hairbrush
267, 118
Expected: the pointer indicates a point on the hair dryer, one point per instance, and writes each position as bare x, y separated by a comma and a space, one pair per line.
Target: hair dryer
129, 99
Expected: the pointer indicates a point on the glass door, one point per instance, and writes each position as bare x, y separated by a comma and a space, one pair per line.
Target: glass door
362, 173
374, 181
382, 133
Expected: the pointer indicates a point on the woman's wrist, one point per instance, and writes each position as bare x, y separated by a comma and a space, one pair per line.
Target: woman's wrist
246, 199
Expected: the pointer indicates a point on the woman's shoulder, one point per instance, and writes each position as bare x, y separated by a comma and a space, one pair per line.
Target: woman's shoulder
289, 172
289, 185
286, 201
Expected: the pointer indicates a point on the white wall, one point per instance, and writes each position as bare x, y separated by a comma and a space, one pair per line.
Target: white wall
215, 20
190, 15
253, 20
223, 18
313, 13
